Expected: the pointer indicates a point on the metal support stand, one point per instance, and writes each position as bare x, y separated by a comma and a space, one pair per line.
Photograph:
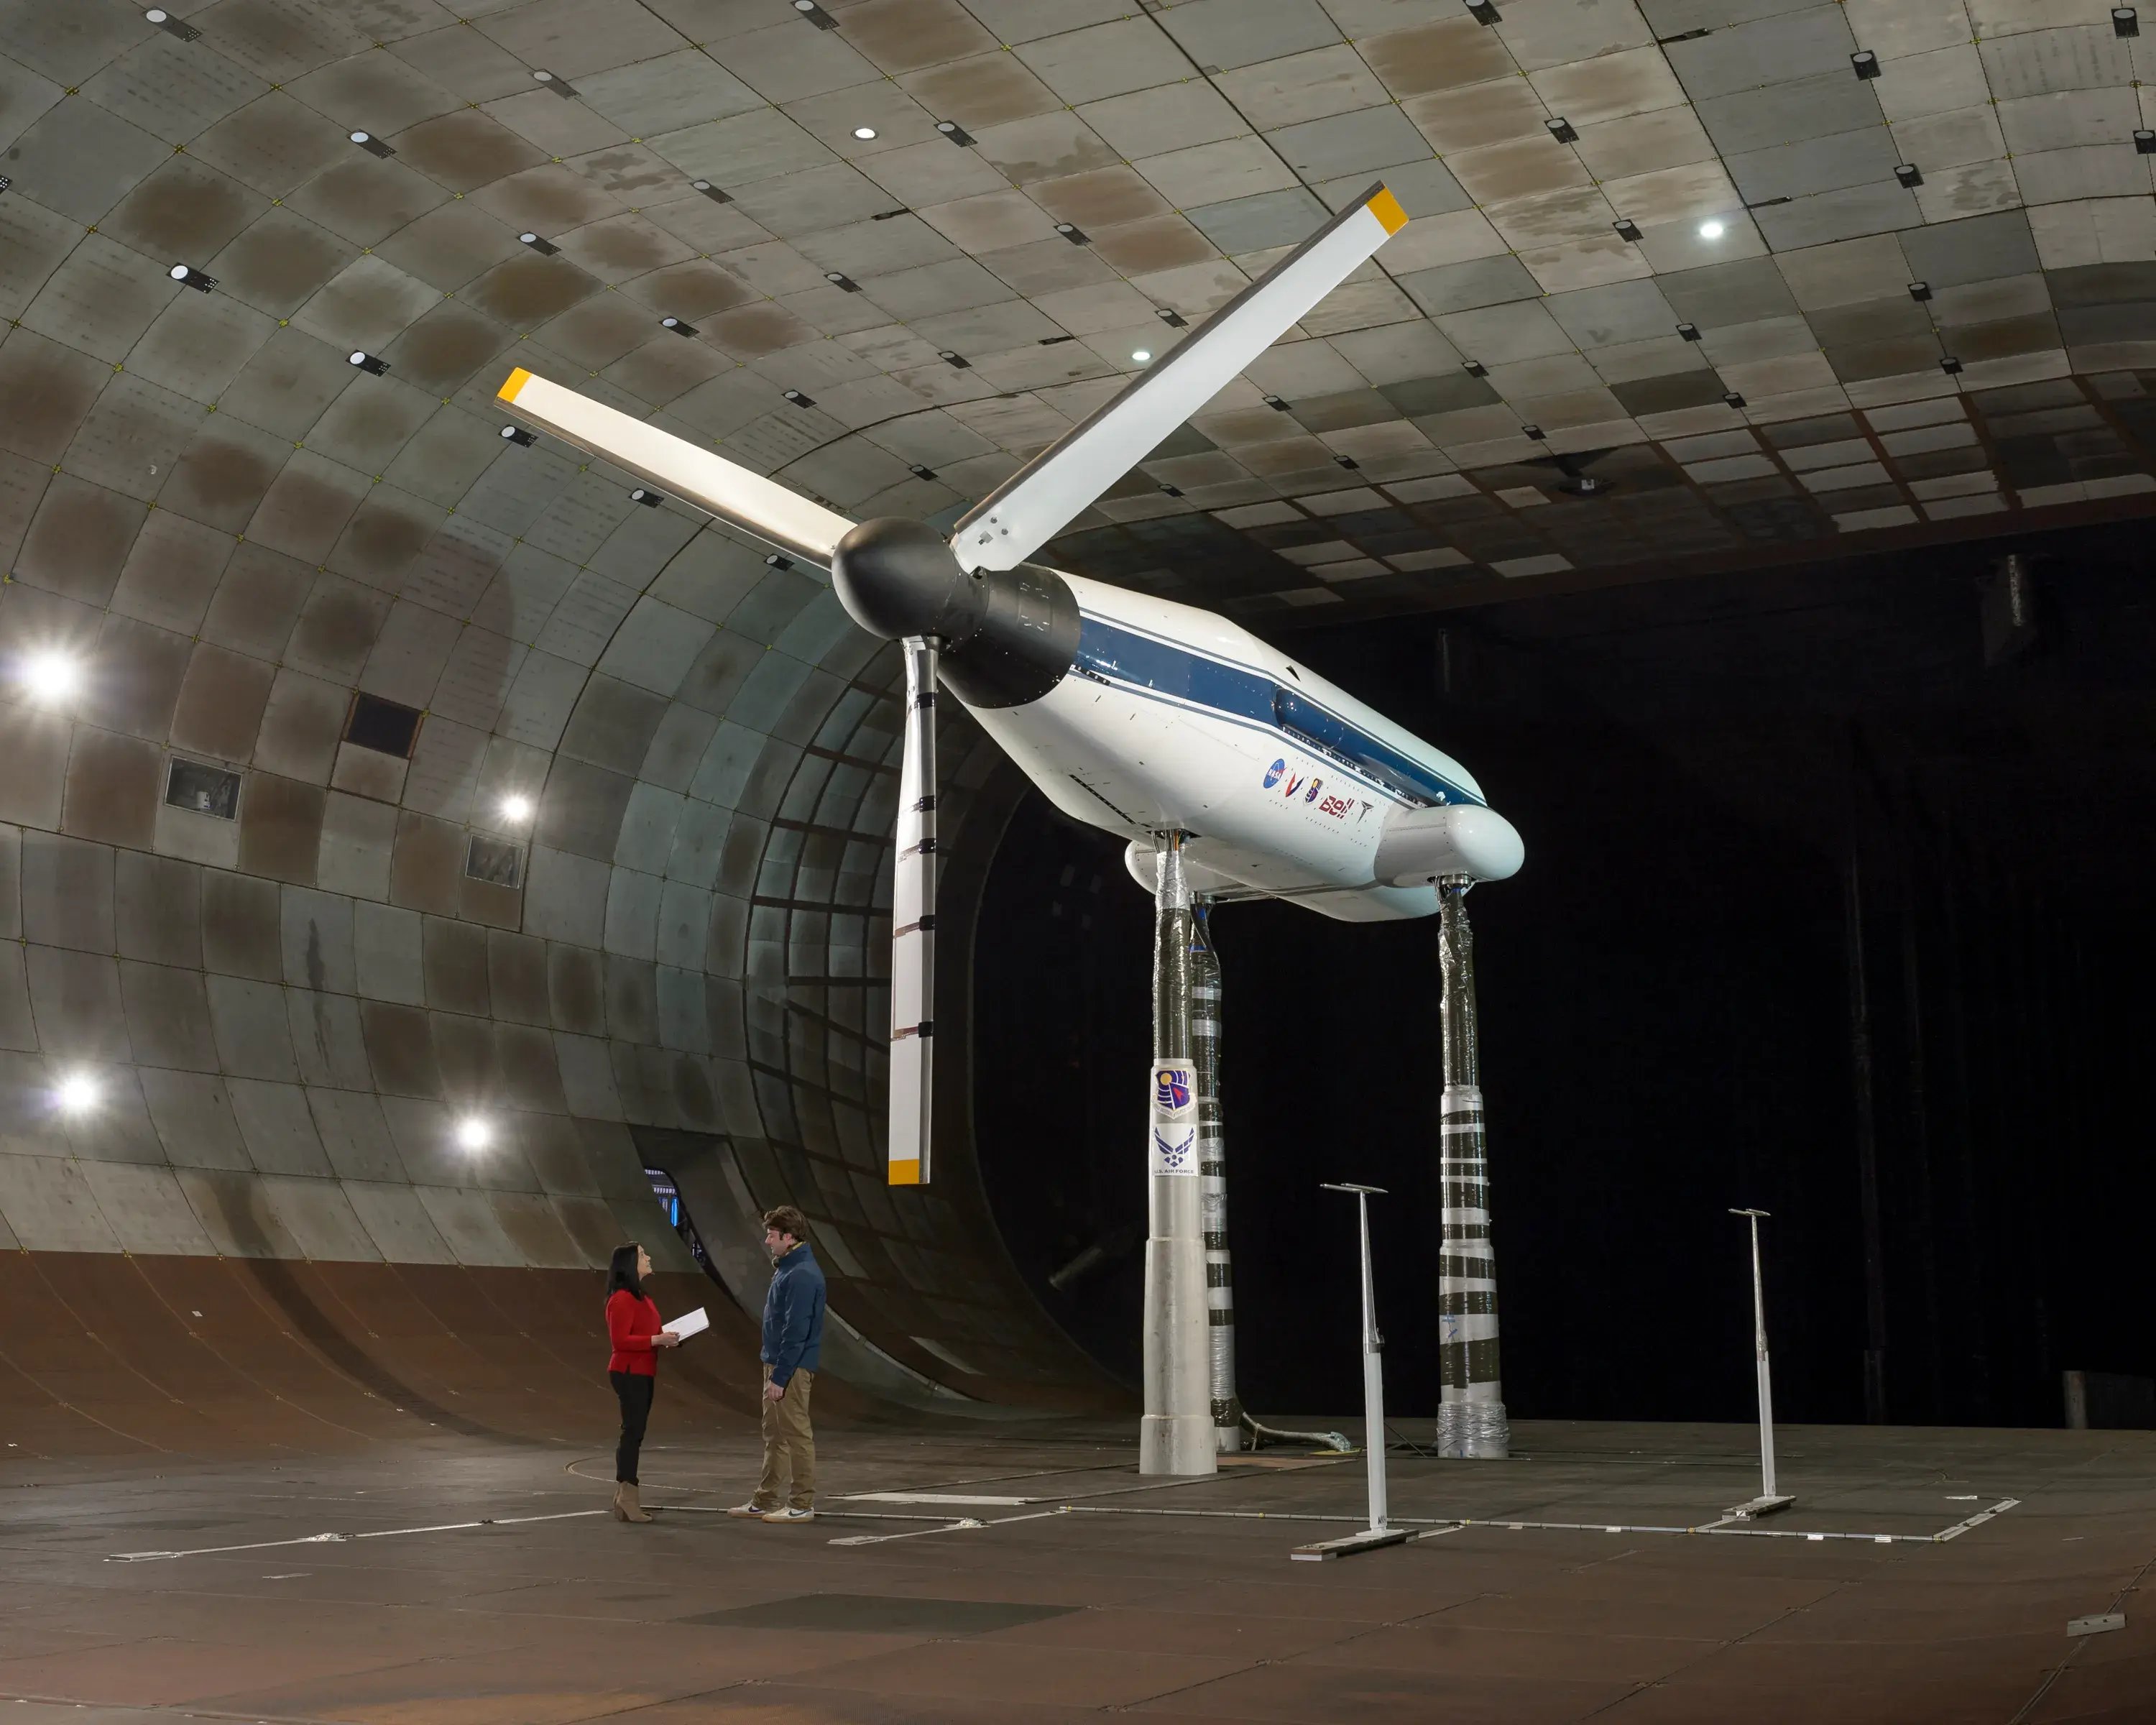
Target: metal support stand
1471, 1414
1205, 1028
1176, 1434
1379, 1533
1769, 1501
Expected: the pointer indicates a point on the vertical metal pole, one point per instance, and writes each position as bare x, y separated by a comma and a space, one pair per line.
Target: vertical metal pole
1373, 1362
1373, 1378
1471, 1415
1867, 1146
1176, 1434
1205, 1035
1768, 1500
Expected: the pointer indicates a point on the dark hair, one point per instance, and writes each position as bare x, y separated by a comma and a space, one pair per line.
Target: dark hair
621, 1273
787, 1220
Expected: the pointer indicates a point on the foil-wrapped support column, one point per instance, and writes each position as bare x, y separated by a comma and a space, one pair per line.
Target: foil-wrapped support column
1175, 1435
1205, 1005
1471, 1413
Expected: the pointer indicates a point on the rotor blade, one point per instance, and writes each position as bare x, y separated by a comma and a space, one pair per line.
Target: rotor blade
913, 925
713, 483
1035, 503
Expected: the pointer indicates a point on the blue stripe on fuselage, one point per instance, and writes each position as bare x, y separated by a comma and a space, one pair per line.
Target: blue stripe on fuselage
1146, 664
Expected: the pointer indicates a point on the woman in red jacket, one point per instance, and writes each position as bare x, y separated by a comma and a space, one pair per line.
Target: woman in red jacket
633, 1327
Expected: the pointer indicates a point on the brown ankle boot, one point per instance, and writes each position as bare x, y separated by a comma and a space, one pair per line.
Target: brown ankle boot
619, 1513
631, 1510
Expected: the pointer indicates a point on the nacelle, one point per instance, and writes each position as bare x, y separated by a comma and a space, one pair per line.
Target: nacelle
1419, 845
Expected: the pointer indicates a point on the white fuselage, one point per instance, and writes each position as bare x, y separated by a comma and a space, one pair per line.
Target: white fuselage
1173, 718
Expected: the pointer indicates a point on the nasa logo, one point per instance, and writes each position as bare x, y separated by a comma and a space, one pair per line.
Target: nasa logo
1273, 774
1170, 1090
1316, 786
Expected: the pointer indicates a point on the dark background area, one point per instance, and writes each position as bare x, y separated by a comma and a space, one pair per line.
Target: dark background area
1836, 904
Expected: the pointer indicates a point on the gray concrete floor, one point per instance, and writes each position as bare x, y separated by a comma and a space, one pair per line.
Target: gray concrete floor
1085, 1599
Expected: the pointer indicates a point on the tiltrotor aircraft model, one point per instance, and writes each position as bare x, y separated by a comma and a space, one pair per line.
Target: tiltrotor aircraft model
1133, 714
1232, 770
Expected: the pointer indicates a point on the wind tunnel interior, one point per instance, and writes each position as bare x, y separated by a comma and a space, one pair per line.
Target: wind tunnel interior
1835, 904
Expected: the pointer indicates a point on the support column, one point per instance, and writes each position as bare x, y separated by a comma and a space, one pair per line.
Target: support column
1205, 1028
1176, 1434
1471, 1413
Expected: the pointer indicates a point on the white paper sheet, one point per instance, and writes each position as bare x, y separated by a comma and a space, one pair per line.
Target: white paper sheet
690, 1324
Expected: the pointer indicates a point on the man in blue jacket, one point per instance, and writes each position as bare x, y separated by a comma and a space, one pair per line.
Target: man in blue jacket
792, 1344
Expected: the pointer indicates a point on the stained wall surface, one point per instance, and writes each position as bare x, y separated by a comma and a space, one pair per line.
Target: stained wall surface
237, 537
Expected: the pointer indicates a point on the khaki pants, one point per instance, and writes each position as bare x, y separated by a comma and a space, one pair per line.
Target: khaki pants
789, 1446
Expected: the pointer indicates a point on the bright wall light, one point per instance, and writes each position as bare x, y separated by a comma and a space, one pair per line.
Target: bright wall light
474, 1133
515, 809
1712, 230
76, 1094
50, 676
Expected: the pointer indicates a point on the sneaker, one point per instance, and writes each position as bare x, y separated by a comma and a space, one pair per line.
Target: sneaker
789, 1515
751, 1511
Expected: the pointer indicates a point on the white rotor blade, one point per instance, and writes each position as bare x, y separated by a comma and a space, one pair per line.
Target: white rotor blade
1035, 503
913, 925
713, 483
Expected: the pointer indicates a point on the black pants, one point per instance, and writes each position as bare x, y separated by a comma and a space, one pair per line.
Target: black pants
634, 1391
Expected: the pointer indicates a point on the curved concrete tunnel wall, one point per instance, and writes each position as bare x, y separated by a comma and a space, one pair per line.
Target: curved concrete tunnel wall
235, 530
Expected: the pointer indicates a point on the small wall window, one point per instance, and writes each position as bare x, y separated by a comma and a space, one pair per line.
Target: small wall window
494, 860
203, 789
382, 726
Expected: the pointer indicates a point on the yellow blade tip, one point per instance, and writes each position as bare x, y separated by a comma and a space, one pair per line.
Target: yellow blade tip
517, 379
906, 1174
1387, 210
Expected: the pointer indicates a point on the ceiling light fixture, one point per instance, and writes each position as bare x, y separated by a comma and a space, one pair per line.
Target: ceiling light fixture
839, 280
865, 132
50, 676
1912, 177
560, 86
648, 497
1866, 62
815, 14
516, 809
1143, 356
373, 145
2125, 21
192, 278
1950, 365
797, 398
709, 191
956, 133
372, 364
474, 1133
957, 362
1072, 232
76, 1094
1732, 398
545, 247
1712, 230
1561, 129
675, 325
1626, 228
518, 435
187, 31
